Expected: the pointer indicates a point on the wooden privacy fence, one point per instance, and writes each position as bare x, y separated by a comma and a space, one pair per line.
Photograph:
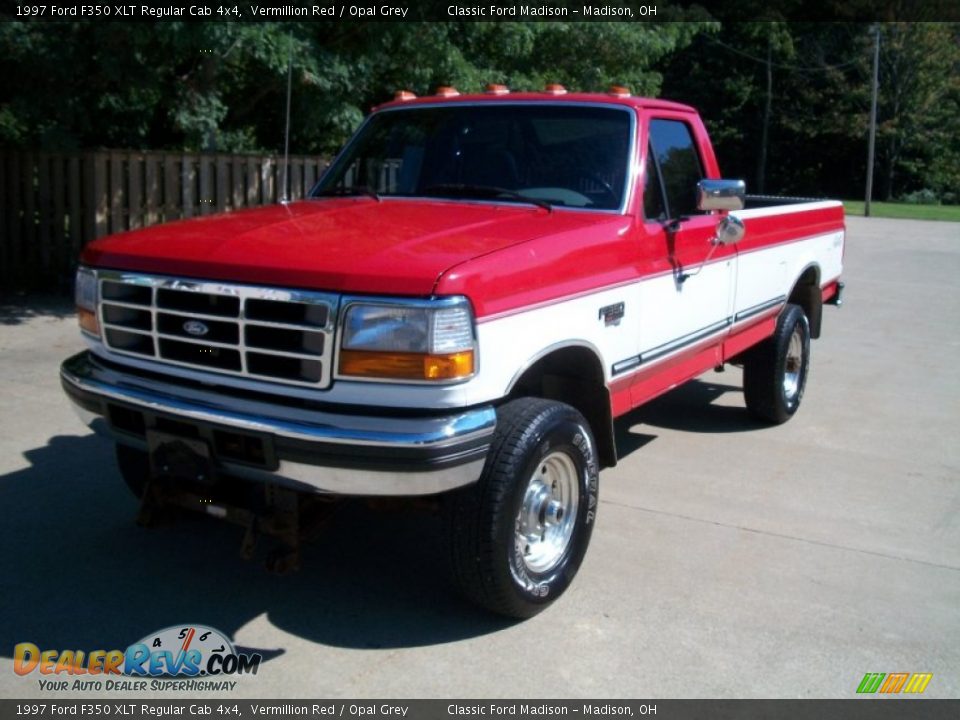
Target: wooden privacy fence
51, 205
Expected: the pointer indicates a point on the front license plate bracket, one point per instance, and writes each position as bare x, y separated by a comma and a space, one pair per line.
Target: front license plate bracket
180, 457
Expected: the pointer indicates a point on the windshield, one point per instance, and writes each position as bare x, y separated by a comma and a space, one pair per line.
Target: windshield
564, 155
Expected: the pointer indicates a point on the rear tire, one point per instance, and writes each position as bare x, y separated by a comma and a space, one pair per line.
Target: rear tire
775, 371
517, 537
134, 467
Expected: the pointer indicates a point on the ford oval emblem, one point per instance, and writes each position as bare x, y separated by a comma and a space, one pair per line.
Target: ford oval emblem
195, 328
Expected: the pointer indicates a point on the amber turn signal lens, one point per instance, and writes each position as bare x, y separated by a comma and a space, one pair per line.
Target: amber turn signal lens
448, 367
88, 321
406, 366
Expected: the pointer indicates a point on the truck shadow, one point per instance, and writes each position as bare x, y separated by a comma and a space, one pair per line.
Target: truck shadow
692, 407
77, 572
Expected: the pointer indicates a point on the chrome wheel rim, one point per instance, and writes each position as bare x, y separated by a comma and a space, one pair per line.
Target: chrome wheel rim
548, 513
793, 365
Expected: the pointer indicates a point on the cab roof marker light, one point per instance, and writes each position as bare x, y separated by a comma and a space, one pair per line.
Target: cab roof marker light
447, 91
619, 91
555, 89
496, 89
404, 95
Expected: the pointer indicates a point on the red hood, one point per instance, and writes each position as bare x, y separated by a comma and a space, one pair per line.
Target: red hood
342, 245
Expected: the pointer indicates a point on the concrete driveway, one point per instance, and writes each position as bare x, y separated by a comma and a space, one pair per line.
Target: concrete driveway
729, 559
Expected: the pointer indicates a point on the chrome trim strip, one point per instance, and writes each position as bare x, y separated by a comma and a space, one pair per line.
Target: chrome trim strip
674, 346
331, 480
344, 481
285, 326
193, 341
624, 365
681, 342
132, 306
124, 328
84, 373
239, 290
757, 309
660, 352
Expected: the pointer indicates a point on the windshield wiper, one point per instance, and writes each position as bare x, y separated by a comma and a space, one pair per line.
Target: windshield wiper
347, 191
485, 191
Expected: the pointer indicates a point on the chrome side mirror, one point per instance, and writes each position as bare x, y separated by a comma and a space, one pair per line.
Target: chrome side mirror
720, 195
730, 230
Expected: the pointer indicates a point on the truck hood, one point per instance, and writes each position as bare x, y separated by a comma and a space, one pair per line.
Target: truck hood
357, 245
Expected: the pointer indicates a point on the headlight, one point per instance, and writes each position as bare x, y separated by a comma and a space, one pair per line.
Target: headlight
428, 341
85, 296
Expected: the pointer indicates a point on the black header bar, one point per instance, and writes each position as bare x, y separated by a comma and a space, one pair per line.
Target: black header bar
481, 10
286, 709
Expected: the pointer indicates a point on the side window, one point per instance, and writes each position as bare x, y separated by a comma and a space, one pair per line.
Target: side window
679, 164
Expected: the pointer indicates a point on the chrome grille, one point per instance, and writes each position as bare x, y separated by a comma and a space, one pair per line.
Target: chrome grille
257, 332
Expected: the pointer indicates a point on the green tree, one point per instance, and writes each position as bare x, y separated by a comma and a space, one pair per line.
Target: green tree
918, 119
778, 99
223, 85
808, 135
138, 85
361, 65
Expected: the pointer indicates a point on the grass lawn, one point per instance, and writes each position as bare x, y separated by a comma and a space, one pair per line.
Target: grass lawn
904, 210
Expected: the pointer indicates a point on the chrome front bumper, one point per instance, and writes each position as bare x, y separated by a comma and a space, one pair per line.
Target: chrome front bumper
306, 448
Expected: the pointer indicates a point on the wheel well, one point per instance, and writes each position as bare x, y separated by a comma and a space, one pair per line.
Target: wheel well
574, 375
806, 293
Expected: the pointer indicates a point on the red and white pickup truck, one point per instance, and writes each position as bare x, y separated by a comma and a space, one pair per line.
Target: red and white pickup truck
475, 289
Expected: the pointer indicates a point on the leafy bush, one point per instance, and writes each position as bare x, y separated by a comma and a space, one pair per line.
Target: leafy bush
921, 197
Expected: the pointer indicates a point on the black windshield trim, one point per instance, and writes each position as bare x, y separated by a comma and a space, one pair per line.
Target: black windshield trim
631, 173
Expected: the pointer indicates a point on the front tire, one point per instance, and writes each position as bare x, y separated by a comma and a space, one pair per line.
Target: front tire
518, 536
775, 371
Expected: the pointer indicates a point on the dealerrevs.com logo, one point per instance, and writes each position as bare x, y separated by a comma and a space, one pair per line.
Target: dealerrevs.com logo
173, 659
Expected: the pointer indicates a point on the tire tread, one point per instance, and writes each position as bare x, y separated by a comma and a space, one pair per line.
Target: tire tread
475, 510
761, 370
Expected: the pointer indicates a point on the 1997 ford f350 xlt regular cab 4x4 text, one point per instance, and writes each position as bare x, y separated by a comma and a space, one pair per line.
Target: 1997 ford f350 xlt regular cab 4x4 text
474, 290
